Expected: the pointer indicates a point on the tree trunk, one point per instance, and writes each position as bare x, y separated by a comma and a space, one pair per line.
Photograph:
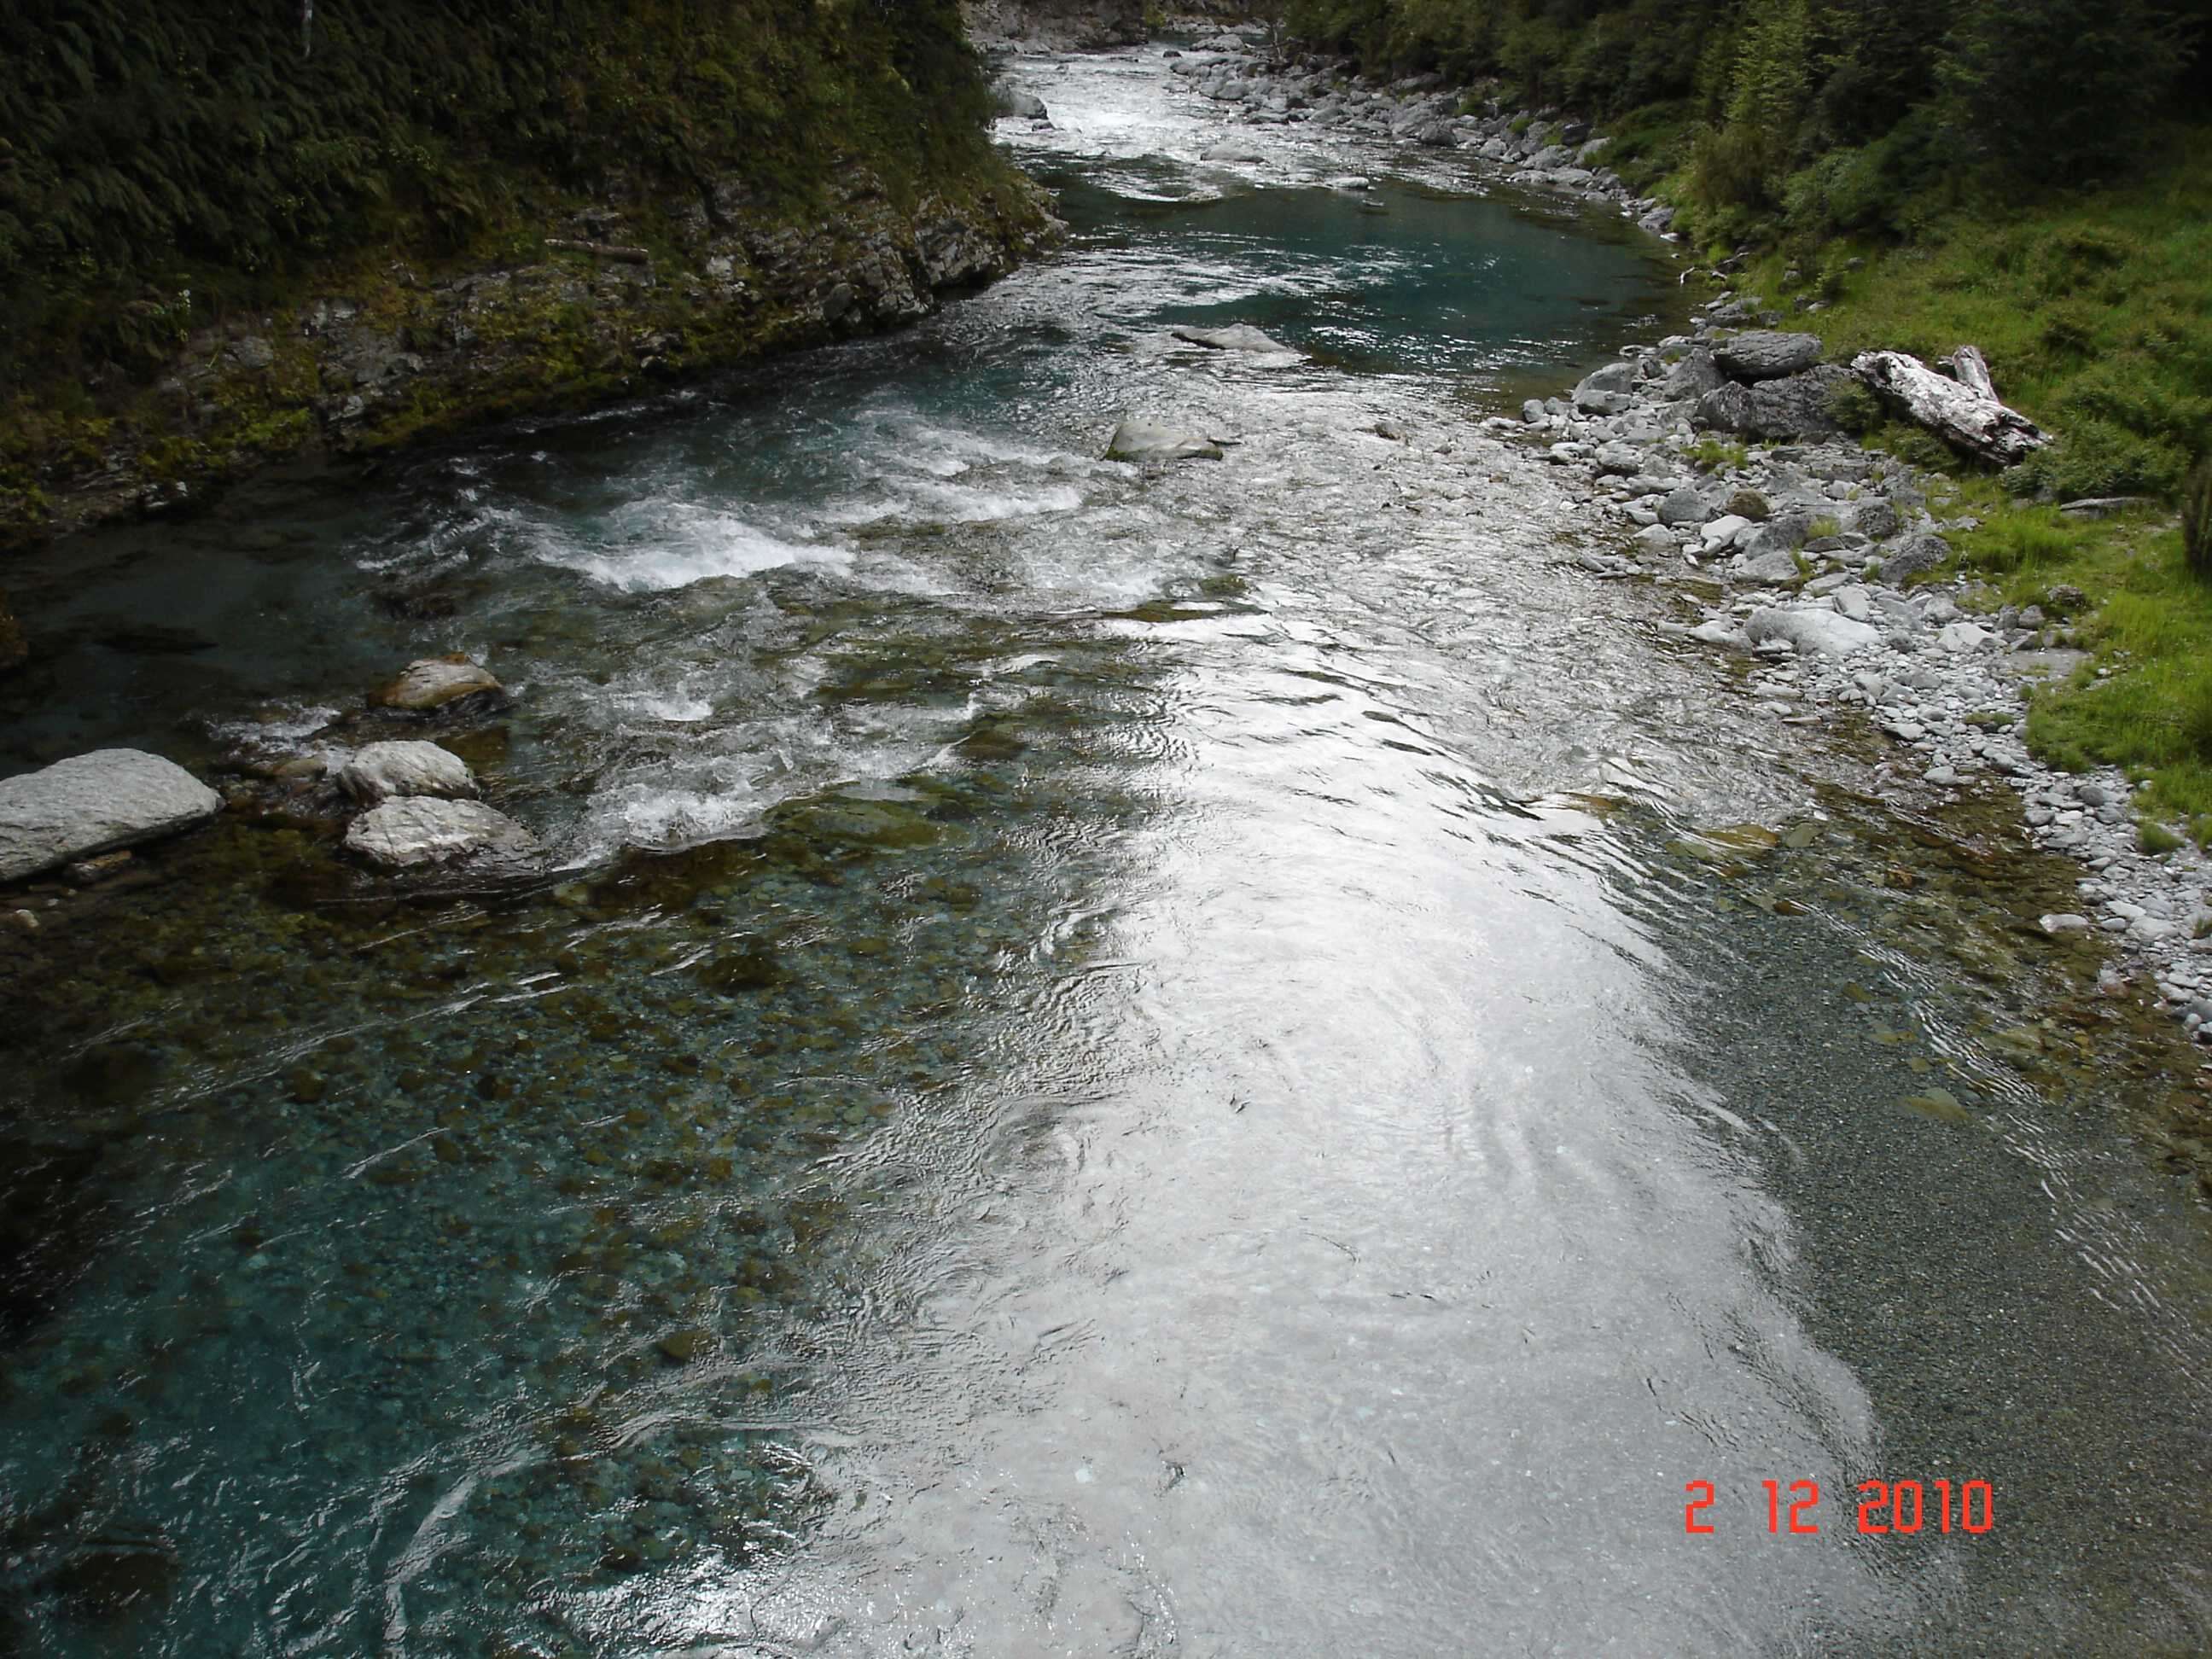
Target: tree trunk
1962, 415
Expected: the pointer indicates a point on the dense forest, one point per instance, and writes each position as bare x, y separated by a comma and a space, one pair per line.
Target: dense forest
1825, 114
161, 160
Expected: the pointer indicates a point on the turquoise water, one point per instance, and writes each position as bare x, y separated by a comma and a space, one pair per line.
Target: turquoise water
1102, 1062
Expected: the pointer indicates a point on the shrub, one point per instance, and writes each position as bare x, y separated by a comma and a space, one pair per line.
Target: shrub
2197, 519
1853, 406
2094, 457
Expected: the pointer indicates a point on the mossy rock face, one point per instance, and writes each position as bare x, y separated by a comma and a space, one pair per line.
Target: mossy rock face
848, 146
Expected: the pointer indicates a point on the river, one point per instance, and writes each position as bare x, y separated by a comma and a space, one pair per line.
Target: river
1233, 1060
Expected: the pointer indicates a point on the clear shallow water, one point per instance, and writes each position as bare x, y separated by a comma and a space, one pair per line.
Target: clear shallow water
1113, 1063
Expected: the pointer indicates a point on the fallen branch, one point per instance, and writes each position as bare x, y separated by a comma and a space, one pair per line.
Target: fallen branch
1963, 415
629, 256
1970, 369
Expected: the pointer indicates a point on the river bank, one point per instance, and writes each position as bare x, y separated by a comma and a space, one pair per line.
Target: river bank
1720, 458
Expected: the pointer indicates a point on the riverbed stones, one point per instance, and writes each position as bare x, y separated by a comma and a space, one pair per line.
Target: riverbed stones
408, 831
382, 770
1763, 355
1151, 441
1685, 507
93, 804
431, 684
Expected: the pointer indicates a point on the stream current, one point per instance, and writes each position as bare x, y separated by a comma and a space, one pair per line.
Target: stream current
1192, 1061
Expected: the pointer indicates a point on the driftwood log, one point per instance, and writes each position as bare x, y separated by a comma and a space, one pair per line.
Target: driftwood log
1965, 412
1972, 370
629, 256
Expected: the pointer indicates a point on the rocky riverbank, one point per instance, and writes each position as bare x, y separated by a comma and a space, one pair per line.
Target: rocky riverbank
588, 311
1716, 462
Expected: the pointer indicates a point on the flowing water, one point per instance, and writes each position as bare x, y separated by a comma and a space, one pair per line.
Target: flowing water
1105, 1062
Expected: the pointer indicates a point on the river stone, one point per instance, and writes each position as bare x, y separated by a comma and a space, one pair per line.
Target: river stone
1922, 553
1823, 633
1761, 355
1007, 98
1684, 506
1231, 153
434, 682
1606, 390
1147, 440
1237, 336
1875, 519
414, 829
382, 770
1796, 407
1691, 378
95, 803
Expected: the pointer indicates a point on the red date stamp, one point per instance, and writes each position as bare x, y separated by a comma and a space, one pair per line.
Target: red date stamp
1884, 1506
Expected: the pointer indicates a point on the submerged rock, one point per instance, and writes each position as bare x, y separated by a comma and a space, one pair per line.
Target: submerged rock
1147, 440
412, 830
1007, 98
1237, 336
382, 770
93, 804
435, 683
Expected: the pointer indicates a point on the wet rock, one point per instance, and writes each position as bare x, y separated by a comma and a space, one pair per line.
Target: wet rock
433, 683
1237, 336
411, 830
681, 1347
382, 770
1822, 633
1761, 355
90, 872
93, 804
1147, 440
1007, 98
1231, 152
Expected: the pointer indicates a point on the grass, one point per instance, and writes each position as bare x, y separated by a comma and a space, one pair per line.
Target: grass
2094, 311
2144, 702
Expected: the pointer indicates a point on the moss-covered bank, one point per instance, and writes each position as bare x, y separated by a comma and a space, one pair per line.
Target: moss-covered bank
224, 240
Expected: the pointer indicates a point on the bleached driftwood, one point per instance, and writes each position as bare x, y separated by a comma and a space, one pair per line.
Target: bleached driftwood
1972, 370
1964, 417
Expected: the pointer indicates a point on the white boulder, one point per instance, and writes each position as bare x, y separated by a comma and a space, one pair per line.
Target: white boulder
95, 803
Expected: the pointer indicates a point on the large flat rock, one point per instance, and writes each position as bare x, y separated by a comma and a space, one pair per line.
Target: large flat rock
382, 770
95, 803
416, 830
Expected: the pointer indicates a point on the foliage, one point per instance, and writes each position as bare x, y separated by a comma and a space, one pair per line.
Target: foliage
1821, 116
161, 160
2197, 519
